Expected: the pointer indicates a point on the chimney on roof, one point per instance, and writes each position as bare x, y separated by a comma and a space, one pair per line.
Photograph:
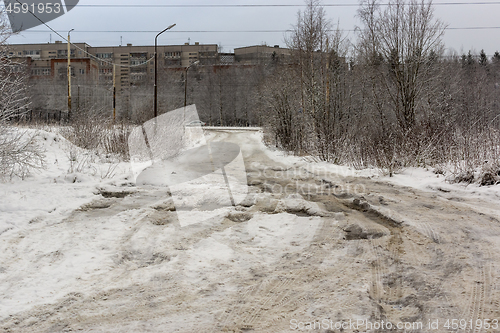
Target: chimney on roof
277, 46
196, 43
58, 42
186, 43
129, 44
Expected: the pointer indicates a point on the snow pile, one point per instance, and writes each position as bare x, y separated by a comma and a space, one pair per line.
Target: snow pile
427, 180
69, 179
295, 204
71, 229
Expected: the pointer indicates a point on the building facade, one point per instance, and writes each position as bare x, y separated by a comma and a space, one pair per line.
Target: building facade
261, 54
128, 64
130, 68
50, 60
136, 64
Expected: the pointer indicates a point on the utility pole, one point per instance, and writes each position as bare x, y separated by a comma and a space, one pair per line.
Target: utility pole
114, 92
69, 75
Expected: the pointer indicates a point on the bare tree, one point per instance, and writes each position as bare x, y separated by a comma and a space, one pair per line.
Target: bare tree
13, 78
309, 42
319, 54
399, 40
18, 153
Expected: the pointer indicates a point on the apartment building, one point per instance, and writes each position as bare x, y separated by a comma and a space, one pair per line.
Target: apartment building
84, 68
55, 50
50, 60
133, 64
130, 64
261, 54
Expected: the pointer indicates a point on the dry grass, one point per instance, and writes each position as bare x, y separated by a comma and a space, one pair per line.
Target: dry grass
93, 130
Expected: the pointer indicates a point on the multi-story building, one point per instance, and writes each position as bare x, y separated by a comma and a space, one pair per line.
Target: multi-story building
133, 64
132, 69
55, 50
50, 60
129, 67
130, 64
261, 54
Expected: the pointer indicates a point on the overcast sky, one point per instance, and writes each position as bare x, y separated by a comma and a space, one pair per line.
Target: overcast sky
233, 27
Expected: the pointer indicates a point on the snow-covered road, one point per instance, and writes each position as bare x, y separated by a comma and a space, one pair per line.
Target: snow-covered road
310, 246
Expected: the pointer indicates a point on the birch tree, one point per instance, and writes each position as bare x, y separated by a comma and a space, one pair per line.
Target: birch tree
402, 36
13, 78
18, 153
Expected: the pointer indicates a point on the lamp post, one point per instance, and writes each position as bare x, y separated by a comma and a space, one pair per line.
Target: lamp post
69, 75
186, 80
156, 70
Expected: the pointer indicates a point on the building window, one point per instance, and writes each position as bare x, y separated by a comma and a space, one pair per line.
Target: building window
64, 53
40, 71
104, 55
137, 62
31, 52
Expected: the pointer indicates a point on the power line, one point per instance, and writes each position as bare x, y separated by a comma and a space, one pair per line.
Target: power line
176, 31
79, 48
473, 28
262, 5
231, 31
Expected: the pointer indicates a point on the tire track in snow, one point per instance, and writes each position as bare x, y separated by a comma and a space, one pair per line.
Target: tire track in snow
276, 292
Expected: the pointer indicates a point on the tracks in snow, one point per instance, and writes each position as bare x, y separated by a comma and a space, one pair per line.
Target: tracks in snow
425, 257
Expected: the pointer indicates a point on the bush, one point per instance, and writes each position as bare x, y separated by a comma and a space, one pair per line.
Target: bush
92, 129
19, 154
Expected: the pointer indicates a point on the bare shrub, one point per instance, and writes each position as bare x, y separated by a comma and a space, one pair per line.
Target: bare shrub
93, 129
475, 156
490, 178
115, 140
19, 154
87, 129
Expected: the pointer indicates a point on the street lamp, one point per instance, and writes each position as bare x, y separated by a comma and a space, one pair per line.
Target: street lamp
186, 80
156, 70
69, 76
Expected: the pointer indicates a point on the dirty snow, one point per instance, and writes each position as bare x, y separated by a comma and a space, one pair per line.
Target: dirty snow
84, 249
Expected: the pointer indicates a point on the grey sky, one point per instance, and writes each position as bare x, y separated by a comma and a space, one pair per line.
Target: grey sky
269, 22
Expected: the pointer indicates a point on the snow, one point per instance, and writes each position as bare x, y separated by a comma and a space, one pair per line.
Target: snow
30, 212
269, 232
45, 255
51, 193
424, 179
51, 245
